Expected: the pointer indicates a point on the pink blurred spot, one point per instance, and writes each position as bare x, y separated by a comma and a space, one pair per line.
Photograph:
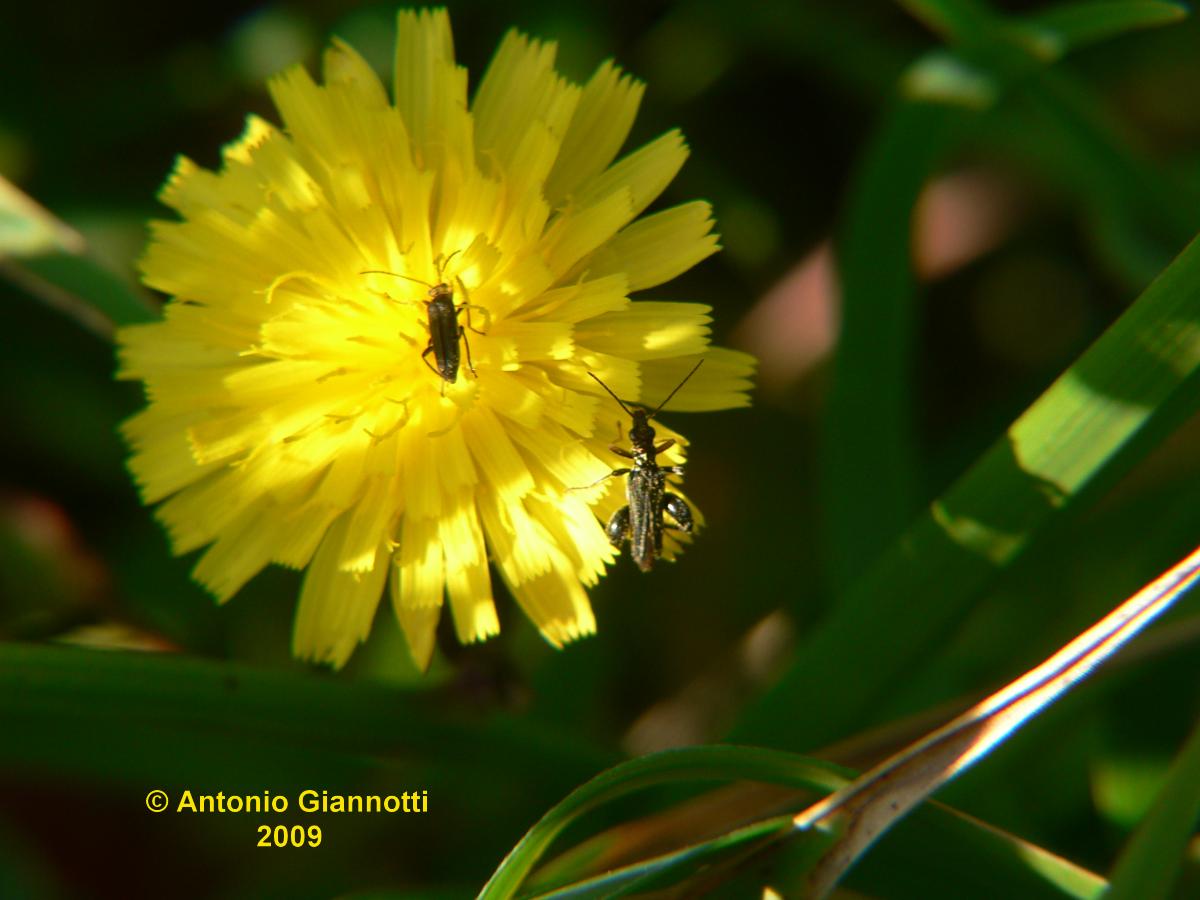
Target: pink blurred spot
959, 218
794, 325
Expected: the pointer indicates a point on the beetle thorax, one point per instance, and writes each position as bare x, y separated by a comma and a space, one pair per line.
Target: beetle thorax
641, 434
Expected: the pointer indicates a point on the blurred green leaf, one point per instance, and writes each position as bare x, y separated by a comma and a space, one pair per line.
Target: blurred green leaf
1135, 384
870, 400
870, 403
1151, 861
1073, 25
27, 229
53, 267
48, 692
79, 285
1048, 33
954, 19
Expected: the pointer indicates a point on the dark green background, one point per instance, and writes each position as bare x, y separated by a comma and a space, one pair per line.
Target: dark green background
779, 102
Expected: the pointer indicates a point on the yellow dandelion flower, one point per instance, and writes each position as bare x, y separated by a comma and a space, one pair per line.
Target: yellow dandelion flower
294, 416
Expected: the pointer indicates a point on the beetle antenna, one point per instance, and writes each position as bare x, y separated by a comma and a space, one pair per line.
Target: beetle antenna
443, 261
395, 275
611, 394
677, 387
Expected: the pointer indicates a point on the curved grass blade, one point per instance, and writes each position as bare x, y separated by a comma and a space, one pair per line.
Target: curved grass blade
669, 869
689, 764
978, 855
1150, 863
863, 810
982, 862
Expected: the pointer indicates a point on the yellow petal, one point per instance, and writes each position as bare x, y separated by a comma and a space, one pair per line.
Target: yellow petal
336, 607
516, 343
467, 581
557, 604
520, 90
721, 383
601, 123
581, 300
294, 413
520, 546
509, 397
236, 190
648, 330
162, 462
361, 87
431, 91
645, 173
299, 533
420, 565
499, 462
371, 520
243, 549
419, 623
581, 230
657, 248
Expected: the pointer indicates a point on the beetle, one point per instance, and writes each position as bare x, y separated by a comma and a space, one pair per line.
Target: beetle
641, 520
444, 328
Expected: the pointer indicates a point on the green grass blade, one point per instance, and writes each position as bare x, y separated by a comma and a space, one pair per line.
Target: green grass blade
1074, 25
79, 284
865, 809
48, 259
870, 401
954, 20
672, 868
982, 862
1132, 386
972, 853
1150, 862
1056, 31
28, 229
61, 701
694, 764
942, 96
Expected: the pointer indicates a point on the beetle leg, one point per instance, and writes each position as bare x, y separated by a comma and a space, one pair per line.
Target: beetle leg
425, 359
598, 480
620, 451
618, 527
467, 344
679, 510
669, 442
468, 306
